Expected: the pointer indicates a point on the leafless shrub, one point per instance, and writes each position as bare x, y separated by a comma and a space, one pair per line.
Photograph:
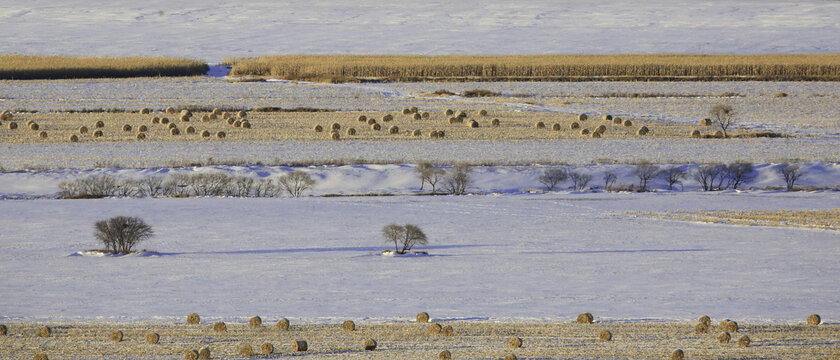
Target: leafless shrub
296, 183
551, 177
673, 175
737, 174
120, 234
265, 188
241, 186
458, 179
579, 180
405, 236
208, 184
609, 180
151, 185
93, 186
706, 175
790, 173
724, 116
645, 171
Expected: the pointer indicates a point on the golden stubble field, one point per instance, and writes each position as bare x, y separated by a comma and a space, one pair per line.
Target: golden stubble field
411, 340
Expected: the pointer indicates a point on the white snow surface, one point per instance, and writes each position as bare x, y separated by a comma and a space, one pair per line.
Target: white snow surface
215, 29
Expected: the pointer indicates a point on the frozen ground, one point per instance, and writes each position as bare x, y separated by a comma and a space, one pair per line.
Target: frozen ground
537, 257
213, 30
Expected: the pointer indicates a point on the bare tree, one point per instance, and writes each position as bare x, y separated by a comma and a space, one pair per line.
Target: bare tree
673, 175
242, 186
609, 180
393, 233
724, 116
151, 185
645, 171
579, 180
208, 184
296, 182
406, 236
265, 188
737, 174
120, 234
429, 174
551, 177
458, 180
790, 173
128, 188
707, 174
421, 168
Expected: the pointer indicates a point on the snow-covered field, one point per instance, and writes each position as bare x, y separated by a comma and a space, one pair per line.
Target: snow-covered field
213, 30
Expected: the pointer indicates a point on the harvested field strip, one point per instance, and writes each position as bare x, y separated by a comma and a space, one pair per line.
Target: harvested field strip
818, 219
349, 68
28, 67
413, 340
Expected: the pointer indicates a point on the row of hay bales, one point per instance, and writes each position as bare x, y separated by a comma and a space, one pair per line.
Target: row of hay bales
31, 125
335, 128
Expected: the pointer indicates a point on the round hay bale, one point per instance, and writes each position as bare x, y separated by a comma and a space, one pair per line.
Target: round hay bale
677, 355
126, 128
447, 331
370, 345
539, 125
29, 122
152, 338
335, 126
372, 121
237, 123
495, 122
585, 318
3, 330
642, 131
433, 134
205, 134
190, 130
435, 329
718, 134
705, 122
221, 135
266, 349
116, 336
584, 131
350, 131
444, 355
617, 120
41, 356
318, 128
514, 343
705, 319
362, 118
627, 123
184, 118
143, 128
814, 319
334, 135
394, 130
205, 118
145, 111
462, 114
441, 134
170, 110
583, 117
216, 111
220, 327
204, 353
456, 120
448, 112
99, 124
731, 326
422, 317
482, 112
155, 120
744, 341
193, 319
213, 117
42, 134
695, 133
300, 345
83, 129
12, 125
44, 332
255, 322
6, 115
510, 357
416, 133
701, 328
724, 337
601, 129
387, 118
473, 124
246, 351
174, 132
348, 325
376, 127
73, 138
98, 133
140, 136
241, 114
406, 111
186, 112
226, 115
574, 126
171, 126
33, 126
605, 335
607, 117
595, 135
416, 116
230, 121
164, 121
555, 127
283, 324
425, 115
414, 109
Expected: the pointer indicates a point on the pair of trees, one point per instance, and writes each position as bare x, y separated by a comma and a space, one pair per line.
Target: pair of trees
404, 237
552, 177
456, 181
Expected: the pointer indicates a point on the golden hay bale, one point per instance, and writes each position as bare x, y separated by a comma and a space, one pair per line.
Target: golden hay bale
435, 329
99, 124
41, 356
193, 319
595, 135
406, 111
143, 128
448, 112
605, 335
116, 336
164, 121
220, 327
362, 118
583, 117
318, 128
266, 349
539, 125
348, 325
601, 129
98, 133
376, 127
372, 121
585, 318
283, 324
44, 332
300, 345
205, 118
584, 131
246, 124
334, 135
414, 109
186, 112
574, 125
444, 355
416, 133
145, 111
204, 353
422, 317
730, 326
155, 120
216, 111
350, 131
701, 328
456, 120
230, 121
237, 123
171, 126
387, 118
677, 355
617, 120
473, 124
12, 125
170, 110
556, 127
425, 115
495, 122
441, 133
510, 357
126, 127
335, 126
706, 122
226, 115
73, 138
514, 343
246, 351
3, 330
152, 338
627, 123
482, 112
205, 134
705, 319
221, 134
642, 131
370, 345
29, 122
447, 331
190, 130
434, 134
241, 114
83, 129
33, 126
140, 136
42, 134
724, 337
416, 116
184, 118
462, 114
695, 133
718, 134
213, 117
6, 115
814, 319
394, 130
744, 341
174, 132
607, 117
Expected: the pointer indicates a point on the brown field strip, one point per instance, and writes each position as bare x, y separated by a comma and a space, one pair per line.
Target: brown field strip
817, 219
29, 67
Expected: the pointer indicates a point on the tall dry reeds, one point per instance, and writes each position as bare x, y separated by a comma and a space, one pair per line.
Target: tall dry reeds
29, 67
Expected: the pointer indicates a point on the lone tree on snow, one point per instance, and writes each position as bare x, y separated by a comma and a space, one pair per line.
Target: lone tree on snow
120, 234
407, 236
724, 116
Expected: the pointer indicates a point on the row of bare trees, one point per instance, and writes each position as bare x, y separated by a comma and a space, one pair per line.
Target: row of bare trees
456, 181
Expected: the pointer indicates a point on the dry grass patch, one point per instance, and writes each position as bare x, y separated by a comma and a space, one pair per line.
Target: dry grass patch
29, 67
818, 219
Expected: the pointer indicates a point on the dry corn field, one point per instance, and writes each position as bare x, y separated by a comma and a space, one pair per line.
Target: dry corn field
818, 219
342, 68
470, 340
27, 67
